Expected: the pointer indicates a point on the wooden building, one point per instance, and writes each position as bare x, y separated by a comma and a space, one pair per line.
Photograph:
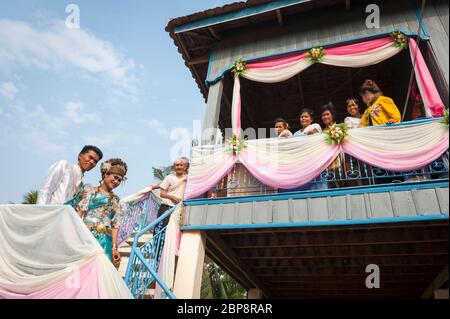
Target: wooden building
314, 244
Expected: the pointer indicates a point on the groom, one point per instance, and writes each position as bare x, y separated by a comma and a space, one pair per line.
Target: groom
63, 178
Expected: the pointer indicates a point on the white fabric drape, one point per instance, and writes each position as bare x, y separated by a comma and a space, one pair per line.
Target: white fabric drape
288, 163
170, 250
42, 245
399, 139
274, 75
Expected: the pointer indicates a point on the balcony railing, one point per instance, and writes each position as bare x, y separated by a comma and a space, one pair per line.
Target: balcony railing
346, 171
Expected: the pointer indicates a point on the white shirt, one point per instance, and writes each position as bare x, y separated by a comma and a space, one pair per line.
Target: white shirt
308, 129
174, 186
352, 122
60, 184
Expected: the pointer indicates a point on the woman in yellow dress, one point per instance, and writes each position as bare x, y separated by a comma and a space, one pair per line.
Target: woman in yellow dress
380, 109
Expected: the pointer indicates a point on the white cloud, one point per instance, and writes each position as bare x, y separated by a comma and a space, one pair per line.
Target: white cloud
8, 90
77, 113
158, 126
55, 47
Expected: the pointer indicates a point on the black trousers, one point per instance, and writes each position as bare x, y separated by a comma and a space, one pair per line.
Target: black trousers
162, 209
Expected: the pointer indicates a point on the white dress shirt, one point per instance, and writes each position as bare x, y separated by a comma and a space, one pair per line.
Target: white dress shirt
60, 184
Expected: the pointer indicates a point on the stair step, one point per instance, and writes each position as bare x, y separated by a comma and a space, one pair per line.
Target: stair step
143, 239
125, 251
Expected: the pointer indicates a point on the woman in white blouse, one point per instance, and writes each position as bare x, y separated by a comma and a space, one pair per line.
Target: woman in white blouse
354, 120
306, 123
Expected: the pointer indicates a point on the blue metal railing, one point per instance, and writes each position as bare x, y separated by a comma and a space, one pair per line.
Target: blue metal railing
139, 214
346, 171
144, 260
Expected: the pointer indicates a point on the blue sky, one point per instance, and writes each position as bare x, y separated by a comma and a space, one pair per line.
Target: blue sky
117, 82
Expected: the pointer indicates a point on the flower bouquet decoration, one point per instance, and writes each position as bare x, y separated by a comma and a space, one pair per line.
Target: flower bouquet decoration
316, 54
337, 133
239, 67
235, 144
400, 39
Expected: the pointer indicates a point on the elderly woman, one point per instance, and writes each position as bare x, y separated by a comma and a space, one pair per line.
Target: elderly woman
380, 109
306, 123
99, 207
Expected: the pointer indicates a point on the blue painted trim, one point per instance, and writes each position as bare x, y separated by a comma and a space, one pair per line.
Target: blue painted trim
238, 14
441, 183
365, 37
323, 223
211, 55
420, 19
162, 284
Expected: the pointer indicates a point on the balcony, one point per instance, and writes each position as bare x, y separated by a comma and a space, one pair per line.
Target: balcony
345, 172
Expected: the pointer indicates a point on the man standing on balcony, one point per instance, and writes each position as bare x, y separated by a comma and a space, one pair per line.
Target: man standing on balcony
64, 178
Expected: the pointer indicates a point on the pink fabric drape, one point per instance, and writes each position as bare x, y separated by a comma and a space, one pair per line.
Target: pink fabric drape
198, 185
79, 285
397, 162
276, 63
427, 88
289, 177
364, 47
358, 48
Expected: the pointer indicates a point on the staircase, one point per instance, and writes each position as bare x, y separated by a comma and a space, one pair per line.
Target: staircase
125, 251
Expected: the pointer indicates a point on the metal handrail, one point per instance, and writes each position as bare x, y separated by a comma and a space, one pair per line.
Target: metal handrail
135, 253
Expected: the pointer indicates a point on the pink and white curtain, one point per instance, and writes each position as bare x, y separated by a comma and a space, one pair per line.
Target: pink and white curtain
355, 55
293, 162
46, 252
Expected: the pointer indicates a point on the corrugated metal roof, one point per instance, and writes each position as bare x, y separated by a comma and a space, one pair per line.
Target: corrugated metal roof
387, 206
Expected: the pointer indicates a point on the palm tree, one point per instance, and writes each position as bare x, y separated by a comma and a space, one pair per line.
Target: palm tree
30, 198
161, 172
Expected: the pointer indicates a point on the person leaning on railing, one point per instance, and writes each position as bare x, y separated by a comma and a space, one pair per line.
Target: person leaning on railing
173, 186
282, 128
354, 174
380, 109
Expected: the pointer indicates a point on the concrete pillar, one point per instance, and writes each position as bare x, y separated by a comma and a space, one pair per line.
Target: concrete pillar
188, 279
211, 121
254, 293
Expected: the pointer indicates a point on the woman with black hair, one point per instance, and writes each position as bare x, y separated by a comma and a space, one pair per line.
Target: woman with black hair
308, 127
380, 109
354, 120
328, 115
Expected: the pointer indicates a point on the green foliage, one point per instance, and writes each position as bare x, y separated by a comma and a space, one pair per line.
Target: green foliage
445, 120
30, 198
161, 172
217, 284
